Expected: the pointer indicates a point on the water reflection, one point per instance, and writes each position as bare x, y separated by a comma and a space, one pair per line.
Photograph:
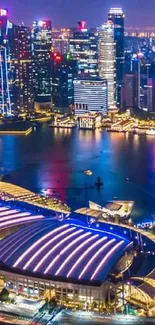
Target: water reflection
54, 159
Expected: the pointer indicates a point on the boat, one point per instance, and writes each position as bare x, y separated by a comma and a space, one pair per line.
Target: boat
88, 172
150, 132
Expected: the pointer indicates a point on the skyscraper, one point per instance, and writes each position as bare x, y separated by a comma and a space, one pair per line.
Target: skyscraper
90, 96
116, 16
83, 47
6, 73
107, 60
41, 47
64, 71
60, 40
23, 69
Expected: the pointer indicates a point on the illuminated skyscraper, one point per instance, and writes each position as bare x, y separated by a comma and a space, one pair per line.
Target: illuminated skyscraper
90, 96
23, 69
83, 47
41, 48
6, 73
116, 16
64, 71
60, 40
107, 60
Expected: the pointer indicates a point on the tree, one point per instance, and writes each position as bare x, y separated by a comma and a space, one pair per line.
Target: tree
4, 295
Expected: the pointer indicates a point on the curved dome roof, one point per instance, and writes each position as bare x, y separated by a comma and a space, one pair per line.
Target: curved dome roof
68, 249
12, 216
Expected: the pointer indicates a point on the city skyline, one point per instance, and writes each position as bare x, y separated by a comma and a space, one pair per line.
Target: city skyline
67, 13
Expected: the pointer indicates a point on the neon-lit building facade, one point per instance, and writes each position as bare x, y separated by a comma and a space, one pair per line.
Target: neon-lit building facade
41, 47
75, 259
67, 260
6, 73
83, 47
90, 96
116, 16
107, 60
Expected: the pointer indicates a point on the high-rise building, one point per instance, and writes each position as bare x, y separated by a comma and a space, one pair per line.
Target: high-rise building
23, 69
107, 60
41, 48
90, 96
130, 91
64, 71
116, 16
83, 47
6, 72
60, 40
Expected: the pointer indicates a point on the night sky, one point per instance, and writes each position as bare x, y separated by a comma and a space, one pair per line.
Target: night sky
67, 12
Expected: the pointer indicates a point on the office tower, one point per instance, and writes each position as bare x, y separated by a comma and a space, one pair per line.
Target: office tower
107, 60
90, 96
83, 47
6, 73
23, 69
60, 40
130, 91
41, 48
64, 71
116, 16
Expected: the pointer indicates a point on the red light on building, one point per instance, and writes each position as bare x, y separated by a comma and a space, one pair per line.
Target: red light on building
82, 25
56, 56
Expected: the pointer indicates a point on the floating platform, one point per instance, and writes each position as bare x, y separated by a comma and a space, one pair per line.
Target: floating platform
15, 129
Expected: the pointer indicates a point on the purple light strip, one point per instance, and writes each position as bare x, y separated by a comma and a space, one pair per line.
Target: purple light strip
42, 248
64, 250
25, 241
8, 240
85, 269
14, 216
11, 222
74, 253
22, 220
8, 212
103, 261
19, 239
54, 248
39, 241
3, 209
98, 231
89, 249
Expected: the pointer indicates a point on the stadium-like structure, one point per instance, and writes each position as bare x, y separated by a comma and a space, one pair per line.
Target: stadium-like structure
46, 254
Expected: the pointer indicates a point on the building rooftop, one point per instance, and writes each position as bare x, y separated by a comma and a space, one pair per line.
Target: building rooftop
68, 249
13, 217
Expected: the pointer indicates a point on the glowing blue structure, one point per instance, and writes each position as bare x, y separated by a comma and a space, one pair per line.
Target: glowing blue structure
67, 250
6, 75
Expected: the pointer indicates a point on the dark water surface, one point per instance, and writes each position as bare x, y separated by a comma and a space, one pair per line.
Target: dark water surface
54, 160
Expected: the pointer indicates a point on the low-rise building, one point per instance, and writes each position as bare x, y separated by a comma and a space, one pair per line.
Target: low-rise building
90, 121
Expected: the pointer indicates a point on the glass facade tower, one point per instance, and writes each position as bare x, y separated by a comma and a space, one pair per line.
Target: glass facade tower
116, 16
107, 60
83, 47
41, 48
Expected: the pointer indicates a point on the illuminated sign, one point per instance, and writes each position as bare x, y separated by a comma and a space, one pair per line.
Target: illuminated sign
3, 12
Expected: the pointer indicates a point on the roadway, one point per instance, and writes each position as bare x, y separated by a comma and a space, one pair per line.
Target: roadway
77, 318
88, 318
